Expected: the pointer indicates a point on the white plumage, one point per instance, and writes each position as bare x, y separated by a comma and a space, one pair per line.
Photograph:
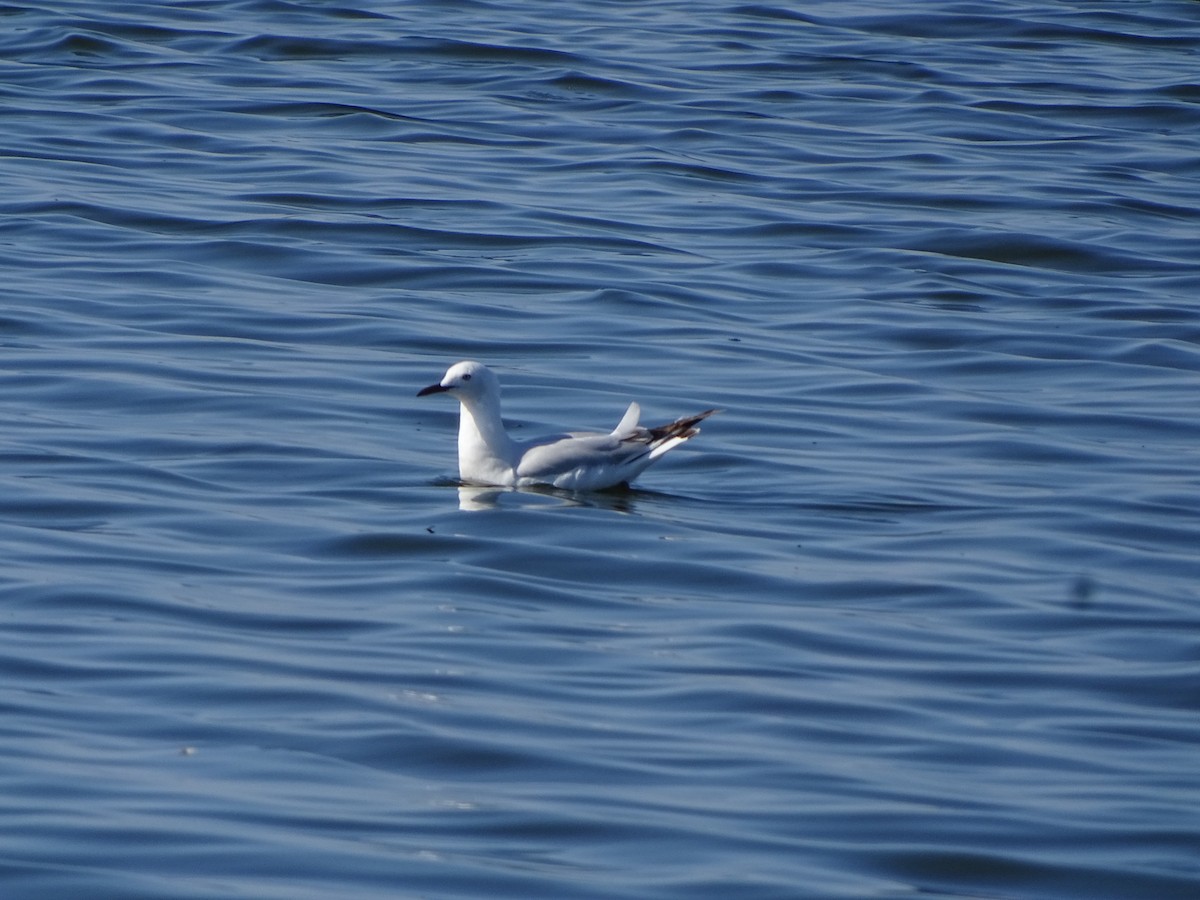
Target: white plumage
574, 461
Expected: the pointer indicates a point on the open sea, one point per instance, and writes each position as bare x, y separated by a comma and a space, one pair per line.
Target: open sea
918, 616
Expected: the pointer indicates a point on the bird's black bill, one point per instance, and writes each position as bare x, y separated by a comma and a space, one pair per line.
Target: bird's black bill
432, 389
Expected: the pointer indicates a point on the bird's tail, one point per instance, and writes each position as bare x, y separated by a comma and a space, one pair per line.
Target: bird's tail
681, 428
664, 437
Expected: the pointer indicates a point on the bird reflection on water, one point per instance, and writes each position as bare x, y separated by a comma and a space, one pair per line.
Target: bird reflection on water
477, 498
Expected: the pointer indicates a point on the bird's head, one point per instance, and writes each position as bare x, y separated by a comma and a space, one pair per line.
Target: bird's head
467, 380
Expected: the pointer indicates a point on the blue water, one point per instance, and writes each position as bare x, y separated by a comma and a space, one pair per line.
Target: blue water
917, 615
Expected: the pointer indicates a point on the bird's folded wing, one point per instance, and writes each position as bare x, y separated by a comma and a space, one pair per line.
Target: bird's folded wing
570, 452
628, 423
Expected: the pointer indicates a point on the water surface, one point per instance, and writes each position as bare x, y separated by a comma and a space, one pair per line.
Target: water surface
916, 615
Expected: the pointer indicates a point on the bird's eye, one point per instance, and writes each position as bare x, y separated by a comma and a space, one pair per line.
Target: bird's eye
467, 377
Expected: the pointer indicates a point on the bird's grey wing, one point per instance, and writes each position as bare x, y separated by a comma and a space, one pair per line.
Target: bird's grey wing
566, 453
629, 422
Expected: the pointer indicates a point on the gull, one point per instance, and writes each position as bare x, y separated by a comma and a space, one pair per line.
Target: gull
577, 461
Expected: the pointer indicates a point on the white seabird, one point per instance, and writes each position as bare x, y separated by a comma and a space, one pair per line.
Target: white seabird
575, 461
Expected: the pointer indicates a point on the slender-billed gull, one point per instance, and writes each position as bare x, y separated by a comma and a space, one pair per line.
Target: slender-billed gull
575, 461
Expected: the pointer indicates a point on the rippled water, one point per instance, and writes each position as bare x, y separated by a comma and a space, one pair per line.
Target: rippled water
916, 616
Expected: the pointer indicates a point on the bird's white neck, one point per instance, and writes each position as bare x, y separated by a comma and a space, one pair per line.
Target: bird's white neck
486, 453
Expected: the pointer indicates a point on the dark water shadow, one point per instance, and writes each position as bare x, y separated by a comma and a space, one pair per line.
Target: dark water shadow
622, 499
